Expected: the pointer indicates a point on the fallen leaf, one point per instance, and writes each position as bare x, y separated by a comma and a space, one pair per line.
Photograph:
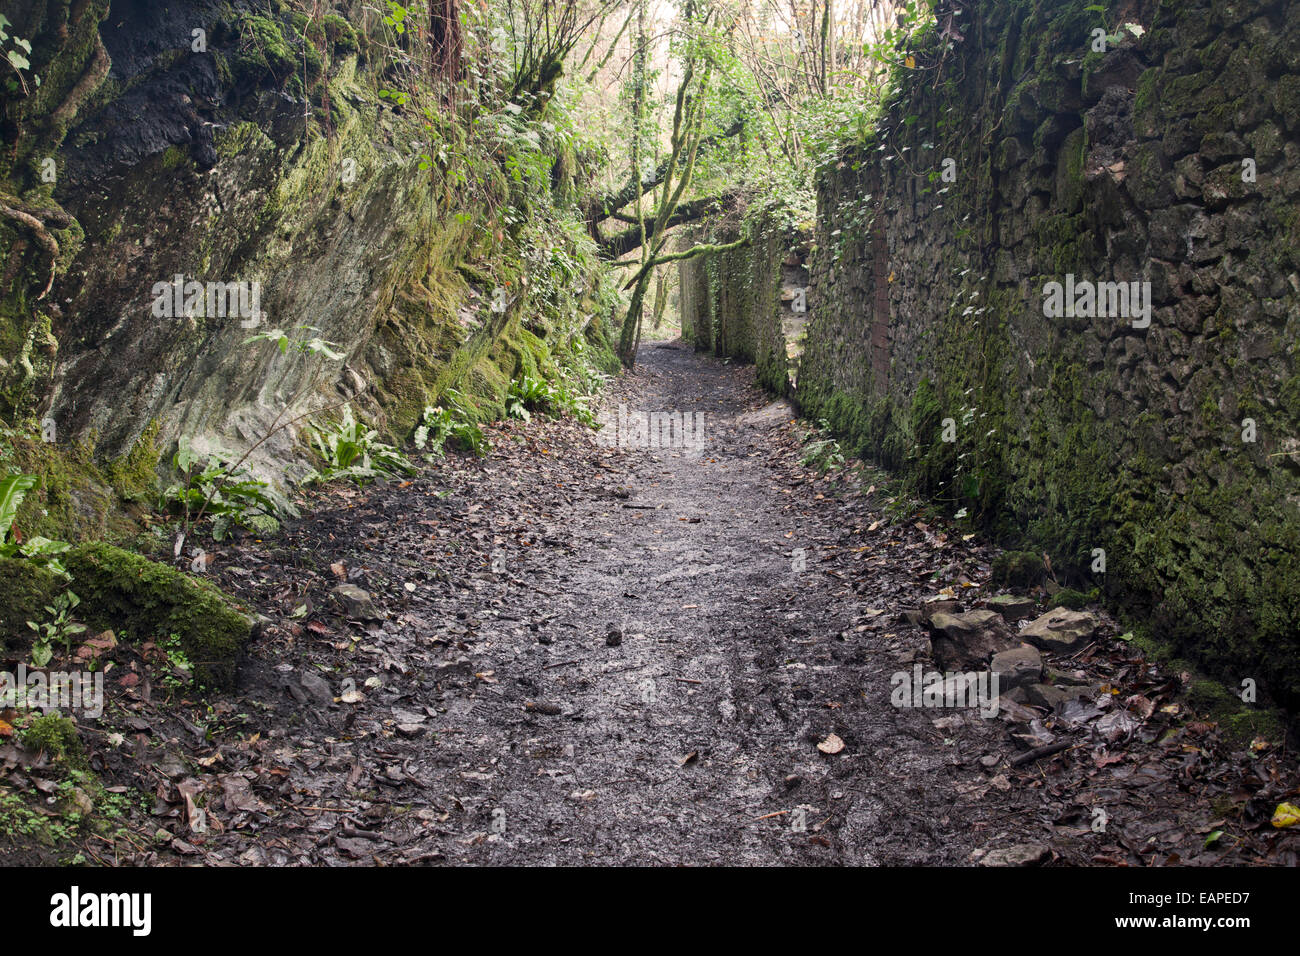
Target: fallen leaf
1286, 815
831, 745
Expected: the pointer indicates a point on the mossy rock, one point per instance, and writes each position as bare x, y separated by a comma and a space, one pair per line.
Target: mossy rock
25, 589
146, 600
341, 34
263, 48
134, 476
1068, 597
1018, 569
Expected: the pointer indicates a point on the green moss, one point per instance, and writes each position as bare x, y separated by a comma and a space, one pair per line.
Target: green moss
262, 48
134, 476
1239, 721
1146, 103
599, 349
57, 737
1068, 597
312, 62
340, 34
149, 601
174, 156
1286, 97
74, 500
1018, 569
1243, 726
25, 590
238, 138
1069, 181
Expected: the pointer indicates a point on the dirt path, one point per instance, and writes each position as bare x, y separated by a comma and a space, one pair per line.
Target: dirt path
688, 737
576, 654
671, 744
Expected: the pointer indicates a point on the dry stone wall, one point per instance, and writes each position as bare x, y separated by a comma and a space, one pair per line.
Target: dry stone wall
751, 302
1082, 266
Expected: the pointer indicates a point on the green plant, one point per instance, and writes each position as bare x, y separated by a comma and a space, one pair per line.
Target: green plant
13, 490
226, 491
525, 394
305, 345
224, 487
822, 453
59, 628
528, 394
570, 402
350, 450
17, 60
179, 661
396, 16
44, 551
450, 422
1114, 39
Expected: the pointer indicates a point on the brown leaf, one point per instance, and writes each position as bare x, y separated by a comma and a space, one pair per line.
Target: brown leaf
831, 745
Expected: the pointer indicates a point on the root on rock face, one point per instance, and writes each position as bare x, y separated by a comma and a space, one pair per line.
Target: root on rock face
38, 230
98, 68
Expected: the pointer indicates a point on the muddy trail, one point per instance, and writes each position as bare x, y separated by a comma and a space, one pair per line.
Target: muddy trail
647, 677
569, 653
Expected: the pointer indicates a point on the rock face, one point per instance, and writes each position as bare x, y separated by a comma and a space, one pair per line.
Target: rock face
232, 165
967, 641
1163, 434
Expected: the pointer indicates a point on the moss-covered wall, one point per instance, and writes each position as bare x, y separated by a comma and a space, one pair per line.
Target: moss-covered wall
1074, 434
267, 157
749, 302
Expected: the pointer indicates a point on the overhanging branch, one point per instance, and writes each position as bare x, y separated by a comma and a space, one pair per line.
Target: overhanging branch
703, 249
605, 206
620, 244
